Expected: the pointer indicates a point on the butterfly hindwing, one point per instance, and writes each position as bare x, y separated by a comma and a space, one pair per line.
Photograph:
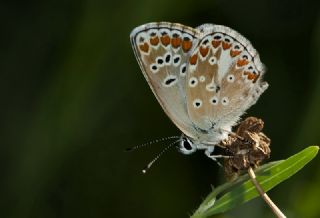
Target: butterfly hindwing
224, 78
163, 50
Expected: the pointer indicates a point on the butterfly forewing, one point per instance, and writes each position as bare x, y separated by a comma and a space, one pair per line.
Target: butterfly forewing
224, 78
163, 50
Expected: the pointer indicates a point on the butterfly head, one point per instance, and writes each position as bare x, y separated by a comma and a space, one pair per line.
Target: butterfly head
187, 145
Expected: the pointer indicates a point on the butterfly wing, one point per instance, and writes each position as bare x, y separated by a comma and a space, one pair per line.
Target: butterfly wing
163, 50
224, 78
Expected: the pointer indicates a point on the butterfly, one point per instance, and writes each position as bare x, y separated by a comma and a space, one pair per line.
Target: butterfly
204, 78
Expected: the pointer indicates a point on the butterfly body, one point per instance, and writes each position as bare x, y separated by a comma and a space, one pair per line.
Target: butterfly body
204, 78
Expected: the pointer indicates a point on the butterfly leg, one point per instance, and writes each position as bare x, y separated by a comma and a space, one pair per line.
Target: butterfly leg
209, 153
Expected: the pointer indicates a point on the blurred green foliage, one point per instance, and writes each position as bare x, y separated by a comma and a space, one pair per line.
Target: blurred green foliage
242, 189
73, 98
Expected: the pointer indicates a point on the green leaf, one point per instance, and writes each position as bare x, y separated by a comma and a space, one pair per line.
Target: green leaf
242, 189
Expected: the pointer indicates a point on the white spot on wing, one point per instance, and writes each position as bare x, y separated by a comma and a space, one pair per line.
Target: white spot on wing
214, 100
202, 78
193, 82
183, 69
160, 61
225, 101
212, 60
211, 87
169, 81
197, 103
176, 60
167, 58
230, 78
154, 68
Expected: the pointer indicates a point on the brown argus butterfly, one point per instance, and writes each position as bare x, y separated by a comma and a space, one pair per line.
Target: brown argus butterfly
204, 78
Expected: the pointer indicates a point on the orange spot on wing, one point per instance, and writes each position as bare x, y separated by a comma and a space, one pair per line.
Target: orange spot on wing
186, 45
226, 45
154, 41
176, 42
215, 43
242, 62
193, 59
204, 51
165, 40
144, 47
256, 77
234, 53
251, 76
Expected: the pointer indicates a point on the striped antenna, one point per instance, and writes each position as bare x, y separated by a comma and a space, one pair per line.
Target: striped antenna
151, 142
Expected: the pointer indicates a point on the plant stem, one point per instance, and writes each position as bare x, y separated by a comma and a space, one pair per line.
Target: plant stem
264, 196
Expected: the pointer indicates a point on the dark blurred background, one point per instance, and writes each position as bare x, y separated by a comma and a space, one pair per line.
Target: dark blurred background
73, 98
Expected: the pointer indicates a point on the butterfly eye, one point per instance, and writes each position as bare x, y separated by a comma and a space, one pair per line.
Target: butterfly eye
187, 146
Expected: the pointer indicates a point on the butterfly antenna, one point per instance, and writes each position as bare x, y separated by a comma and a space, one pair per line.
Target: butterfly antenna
158, 156
151, 142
